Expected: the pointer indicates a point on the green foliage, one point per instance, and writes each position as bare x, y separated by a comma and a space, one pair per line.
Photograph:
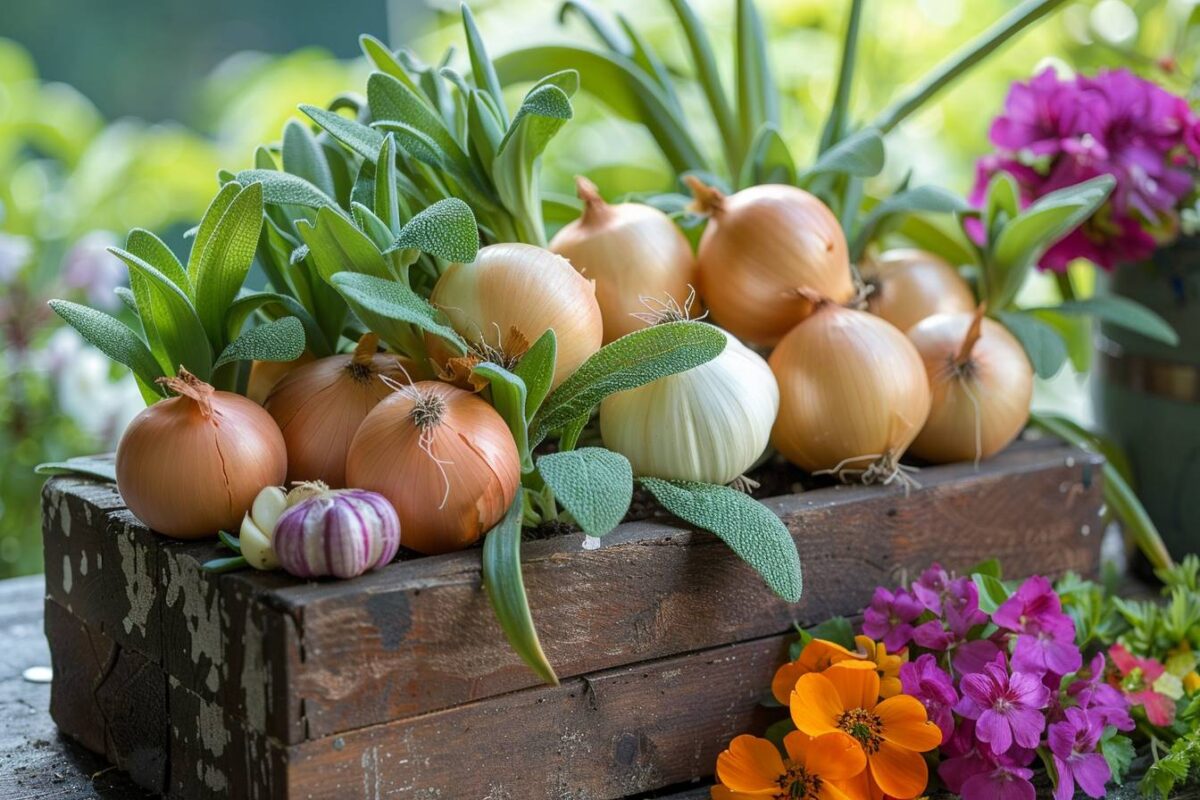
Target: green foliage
536, 369
277, 340
508, 396
1180, 765
112, 338
593, 484
757, 536
1118, 752
992, 592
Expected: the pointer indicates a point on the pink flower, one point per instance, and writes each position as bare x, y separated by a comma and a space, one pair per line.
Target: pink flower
1002, 783
1136, 680
1073, 743
970, 768
889, 618
926, 681
1007, 707
1045, 635
931, 587
959, 614
1101, 701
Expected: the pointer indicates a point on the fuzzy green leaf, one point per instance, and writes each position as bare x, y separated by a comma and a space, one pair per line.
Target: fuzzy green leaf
225, 259
112, 338
536, 369
768, 160
388, 307
389, 204
277, 340
481, 65
247, 304
385, 60
446, 229
919, 199
336, 245
304, 157
359, 138
749, 528
508, 398
282, 188
392, 101
155, 252
153, 314
631, 361
506, 590
208, 223
1043, 344
859, 155
92, 468
595, 485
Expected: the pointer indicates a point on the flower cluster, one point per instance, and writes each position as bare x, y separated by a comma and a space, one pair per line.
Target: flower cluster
1002, 687
857, 735
1056, 132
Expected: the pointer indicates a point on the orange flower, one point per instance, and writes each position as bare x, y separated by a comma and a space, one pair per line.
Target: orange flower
815, 769
888, 666
892, 733
816, 656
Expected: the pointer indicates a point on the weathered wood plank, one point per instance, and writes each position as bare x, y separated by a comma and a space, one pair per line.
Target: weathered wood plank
419, 636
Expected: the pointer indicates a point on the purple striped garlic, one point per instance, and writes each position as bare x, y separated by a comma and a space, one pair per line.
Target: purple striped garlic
342, 532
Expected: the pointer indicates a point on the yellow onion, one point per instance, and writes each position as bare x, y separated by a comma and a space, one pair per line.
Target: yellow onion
981, 384
319, 407
633, 252
443, 458
509, 296
191, 465
910, 285
852, 394
708, 424
761, 247
265, 374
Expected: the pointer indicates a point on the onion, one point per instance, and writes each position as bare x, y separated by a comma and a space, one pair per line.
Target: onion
319, 407
443, 458
760, 248
265, 374
632, 251
708, 424
509, 296
852, 394
910, 285
191, 465
981, 383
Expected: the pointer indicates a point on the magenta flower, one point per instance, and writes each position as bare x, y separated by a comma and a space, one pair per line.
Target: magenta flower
966, 759
926, 681
1073, 744
960, 614
1045, 635
1005, 782
1055, 133
1006, 707
931, 587
1102, 702
889, 618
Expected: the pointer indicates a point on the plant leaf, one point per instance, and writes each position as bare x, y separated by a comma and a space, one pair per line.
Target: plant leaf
1043, 344
446, 229
749, 528
992, 593
336, 245
111, 337
304, 157
609, 35
247, 304
542, 114
859, 155
839, 111
928, 199
595, 485
104, 470
481, 66
508, 397
277, 340
155, 252
631, 361
536, 369
708, 75
387, 307
768, 160
208, 223
225, 259
358, 138
758, 102
391, 100
506, 590
389, 203
1122, 312
282, 188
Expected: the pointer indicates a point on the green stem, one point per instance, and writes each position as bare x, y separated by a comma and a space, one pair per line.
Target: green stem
835, 126
1066, 289
989, 41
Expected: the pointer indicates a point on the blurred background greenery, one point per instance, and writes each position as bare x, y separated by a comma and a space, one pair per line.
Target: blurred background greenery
124, 121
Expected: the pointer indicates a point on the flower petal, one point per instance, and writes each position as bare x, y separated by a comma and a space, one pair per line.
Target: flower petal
815, 704
750, 764
856, 682
900, 772
906, 723
833, 756
785, 680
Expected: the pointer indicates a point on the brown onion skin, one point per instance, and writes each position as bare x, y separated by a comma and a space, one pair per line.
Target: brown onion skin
910, 285
319, 407
188, 475
998, 375
631, 251
265, 374
850, 385
483, 468
760, 246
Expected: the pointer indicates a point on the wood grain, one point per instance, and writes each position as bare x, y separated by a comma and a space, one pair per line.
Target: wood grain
301, 661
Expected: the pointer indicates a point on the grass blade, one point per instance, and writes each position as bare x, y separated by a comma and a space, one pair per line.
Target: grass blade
839, 112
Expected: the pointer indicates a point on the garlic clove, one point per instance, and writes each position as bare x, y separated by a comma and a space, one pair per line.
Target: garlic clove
268, 505
256, 546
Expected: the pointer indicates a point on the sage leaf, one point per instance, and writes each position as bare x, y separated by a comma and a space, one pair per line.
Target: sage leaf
304, 157
111, 337
247, 304
758, 102
1043, 344
768, 160
389, 204
155, 252
208, 223
508, 398
446, 229
277, 340
927, 199
391, 101
481, 65
336, 245
388, 308
153, 314
595, 485
631, 361
506, 591
542, 114
859, 155
358, 138
104, 470
282, 188
1121, 312
750, 529
225, 259
536, 369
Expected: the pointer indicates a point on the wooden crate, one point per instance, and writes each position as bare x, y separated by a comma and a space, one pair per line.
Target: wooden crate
400, 683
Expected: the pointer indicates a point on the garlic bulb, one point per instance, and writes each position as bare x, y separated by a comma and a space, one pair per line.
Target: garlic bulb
761, 250
909, 285
505, 299
708, 424
339, 532
632, 251
258, 528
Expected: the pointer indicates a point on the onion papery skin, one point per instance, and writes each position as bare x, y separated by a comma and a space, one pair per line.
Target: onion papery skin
708, 424
910, 285
265, 375
850, 385
998, 376
342, 533
319, 407
760, 246
510, 295
631, 251
478, 454
189, 474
